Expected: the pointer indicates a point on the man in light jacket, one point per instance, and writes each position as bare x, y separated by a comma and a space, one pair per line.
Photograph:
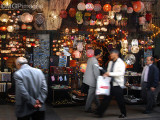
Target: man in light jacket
115, 70
90, 79
31, 91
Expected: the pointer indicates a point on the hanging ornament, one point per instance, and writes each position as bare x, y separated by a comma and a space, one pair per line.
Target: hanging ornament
107, 7
134, 42
90, 53
113, 32
39, 19
130, 59
89, 6
63, 14
81, 6
124, 8
97, 7
148, 17
83, 67
92, 22
99, 16
4, 18
116, 8
80, 22
72, 12
10, 28
130, 10
80, 46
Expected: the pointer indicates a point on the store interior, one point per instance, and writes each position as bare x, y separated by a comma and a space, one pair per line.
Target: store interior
59, 36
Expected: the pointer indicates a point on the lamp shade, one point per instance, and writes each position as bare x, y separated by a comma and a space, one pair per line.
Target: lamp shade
89, 6
26, 18
76, 54
10, 28
116, 8
107, 7
4, 18
142, 20
99, 16
83, 67
63, 14
148, 17
124, 8
129, 10
81, 6
138, 6
97, 7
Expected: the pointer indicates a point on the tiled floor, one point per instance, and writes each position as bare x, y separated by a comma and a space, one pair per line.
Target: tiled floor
77, 113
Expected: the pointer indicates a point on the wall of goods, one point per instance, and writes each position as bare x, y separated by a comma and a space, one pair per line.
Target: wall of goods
87, 25
17, 38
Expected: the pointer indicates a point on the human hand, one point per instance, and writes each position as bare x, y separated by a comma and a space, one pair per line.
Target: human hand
106, 74
38, 104
153, 89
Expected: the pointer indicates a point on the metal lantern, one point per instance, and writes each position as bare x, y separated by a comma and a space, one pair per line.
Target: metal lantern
4, 18
116, 8
81, 6
107, 7
130, 59
89, 6
97, 7
10, 28
39, 19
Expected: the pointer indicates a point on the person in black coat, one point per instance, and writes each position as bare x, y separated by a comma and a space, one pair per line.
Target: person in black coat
150, 79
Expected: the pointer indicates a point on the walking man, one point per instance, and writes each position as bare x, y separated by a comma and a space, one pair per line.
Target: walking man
90, 79
115, 70
31, 91
149, 81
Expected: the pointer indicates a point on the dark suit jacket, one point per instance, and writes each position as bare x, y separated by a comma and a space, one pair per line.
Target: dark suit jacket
30, 86
153, 76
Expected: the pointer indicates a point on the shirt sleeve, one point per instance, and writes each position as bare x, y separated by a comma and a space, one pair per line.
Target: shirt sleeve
44, 90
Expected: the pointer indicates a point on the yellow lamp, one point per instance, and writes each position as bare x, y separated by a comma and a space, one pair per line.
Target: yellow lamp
7, 2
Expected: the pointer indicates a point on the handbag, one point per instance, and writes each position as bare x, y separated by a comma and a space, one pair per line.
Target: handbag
103, 85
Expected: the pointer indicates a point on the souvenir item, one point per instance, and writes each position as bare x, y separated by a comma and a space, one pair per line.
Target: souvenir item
83, 67
130, 59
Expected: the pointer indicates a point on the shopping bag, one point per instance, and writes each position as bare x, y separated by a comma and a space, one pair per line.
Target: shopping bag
103, 85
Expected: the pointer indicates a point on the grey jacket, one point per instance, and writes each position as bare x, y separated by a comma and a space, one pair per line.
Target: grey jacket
30, 86
92, 72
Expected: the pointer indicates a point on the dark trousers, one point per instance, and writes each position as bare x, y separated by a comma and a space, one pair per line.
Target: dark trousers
39, 115
148, 97
118, 93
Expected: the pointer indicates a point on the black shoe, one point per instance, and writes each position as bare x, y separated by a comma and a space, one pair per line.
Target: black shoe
89, 111
146, 112
122, 116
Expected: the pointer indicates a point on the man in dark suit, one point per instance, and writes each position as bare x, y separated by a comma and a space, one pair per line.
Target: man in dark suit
150, 79
31, 91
